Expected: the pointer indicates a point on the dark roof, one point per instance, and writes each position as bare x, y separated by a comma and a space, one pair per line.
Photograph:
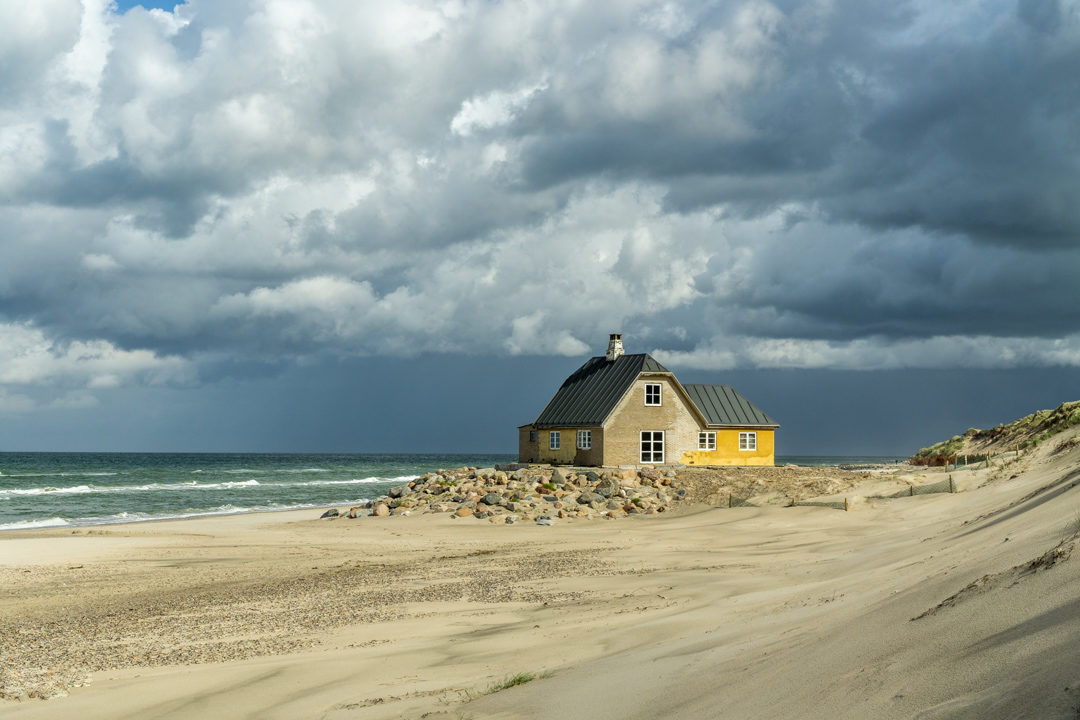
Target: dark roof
721, 405
591, 393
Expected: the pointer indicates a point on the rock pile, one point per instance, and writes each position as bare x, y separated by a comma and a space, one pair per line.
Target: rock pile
515, 493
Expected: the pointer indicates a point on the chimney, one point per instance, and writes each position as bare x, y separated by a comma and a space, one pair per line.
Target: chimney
614, 347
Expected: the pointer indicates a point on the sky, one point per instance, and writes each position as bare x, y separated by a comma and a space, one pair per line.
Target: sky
329, 225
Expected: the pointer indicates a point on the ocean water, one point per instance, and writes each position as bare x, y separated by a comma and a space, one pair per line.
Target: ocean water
59, 489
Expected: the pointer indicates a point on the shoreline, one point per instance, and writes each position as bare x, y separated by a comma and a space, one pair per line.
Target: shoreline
139, 515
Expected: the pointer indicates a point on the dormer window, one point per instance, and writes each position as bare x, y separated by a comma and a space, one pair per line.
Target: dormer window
652, 393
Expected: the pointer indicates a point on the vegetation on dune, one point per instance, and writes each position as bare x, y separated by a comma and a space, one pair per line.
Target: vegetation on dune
1027, 432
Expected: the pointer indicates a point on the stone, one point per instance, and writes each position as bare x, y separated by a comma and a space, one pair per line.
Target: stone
558, 477
512, 505
590, 497
497, 519
464, 511
544, 521
491, 499
592, 477
396, 492
606, 488
380, 510
355, 511
613, 505
500, 477
332, 512
511, 519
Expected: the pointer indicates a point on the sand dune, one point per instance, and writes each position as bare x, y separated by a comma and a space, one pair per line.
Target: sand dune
934, 606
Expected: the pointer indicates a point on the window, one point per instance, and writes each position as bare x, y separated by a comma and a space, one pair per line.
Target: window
554, 440
532, 436
706, 441
652, 446
584, 439
652, 393
748, 441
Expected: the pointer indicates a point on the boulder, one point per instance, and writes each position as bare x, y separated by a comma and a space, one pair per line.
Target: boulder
354, 512
558, 477
497, 519
380, 510
396, 492
606, 488
491, 499
464, 511
332, 512
590, 497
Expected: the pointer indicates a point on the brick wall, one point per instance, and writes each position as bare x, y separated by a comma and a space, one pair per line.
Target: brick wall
622, 432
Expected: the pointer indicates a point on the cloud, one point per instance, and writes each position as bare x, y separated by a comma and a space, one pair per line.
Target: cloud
849, 183
34, 360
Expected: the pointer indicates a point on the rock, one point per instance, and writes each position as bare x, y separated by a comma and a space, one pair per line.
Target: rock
380, 510
613, 505
355, 511
558, 477
396, 492
497, 519
551, 498
512, 505
500, 477
606, 488
592, 477
511, 519
464, 511
590, 497
544, 521
491, 499
332, 512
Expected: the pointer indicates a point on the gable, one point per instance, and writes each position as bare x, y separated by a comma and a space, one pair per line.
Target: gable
589, 395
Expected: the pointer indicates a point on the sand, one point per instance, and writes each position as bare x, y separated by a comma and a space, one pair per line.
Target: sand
765, 612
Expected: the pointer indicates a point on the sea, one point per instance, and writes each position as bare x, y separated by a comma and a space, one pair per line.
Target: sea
42, 490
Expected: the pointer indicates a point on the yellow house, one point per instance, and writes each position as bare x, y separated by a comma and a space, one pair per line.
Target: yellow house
620, 409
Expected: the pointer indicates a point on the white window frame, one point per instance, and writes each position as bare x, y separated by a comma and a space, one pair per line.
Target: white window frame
584, 439
652, 447
659, 394
554, 440
706, 440
748, 441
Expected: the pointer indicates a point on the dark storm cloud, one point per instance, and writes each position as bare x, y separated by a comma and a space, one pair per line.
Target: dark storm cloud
866, 183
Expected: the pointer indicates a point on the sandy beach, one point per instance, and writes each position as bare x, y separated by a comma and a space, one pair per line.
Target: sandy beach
933, 606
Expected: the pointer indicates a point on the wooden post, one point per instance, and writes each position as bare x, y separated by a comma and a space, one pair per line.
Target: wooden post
847, 505
952, 485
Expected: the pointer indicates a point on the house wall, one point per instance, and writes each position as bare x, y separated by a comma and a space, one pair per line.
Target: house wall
528, 451
727, 450
622, 431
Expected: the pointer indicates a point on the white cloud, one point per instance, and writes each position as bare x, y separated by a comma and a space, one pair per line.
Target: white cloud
493, 109
878, 353
31, 358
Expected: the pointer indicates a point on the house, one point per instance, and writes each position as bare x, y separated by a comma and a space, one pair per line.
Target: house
620, 409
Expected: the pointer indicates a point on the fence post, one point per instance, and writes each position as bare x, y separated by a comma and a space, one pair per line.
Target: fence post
952, 485
847, 505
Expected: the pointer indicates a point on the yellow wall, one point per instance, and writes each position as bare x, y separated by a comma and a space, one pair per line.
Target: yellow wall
727, 450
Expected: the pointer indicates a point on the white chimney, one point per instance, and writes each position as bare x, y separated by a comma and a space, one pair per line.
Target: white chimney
614, 347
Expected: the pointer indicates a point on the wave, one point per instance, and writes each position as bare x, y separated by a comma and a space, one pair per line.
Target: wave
97, 489
60, 474
133, 517
30, 524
